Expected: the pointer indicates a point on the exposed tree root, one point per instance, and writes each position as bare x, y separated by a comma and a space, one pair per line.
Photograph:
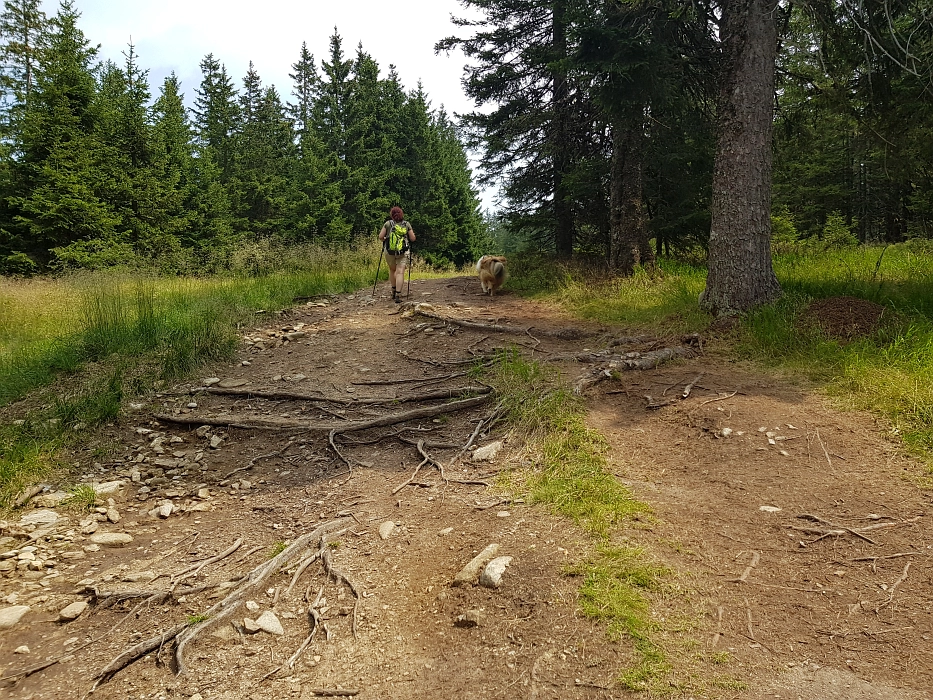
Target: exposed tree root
289, 395
338, 576
195, 569
224, 608
348, 427
136, 652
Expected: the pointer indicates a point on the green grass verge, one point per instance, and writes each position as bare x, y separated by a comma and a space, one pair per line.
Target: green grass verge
889, 373
572, 478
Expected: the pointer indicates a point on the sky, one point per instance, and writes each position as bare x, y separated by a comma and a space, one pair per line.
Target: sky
174, 35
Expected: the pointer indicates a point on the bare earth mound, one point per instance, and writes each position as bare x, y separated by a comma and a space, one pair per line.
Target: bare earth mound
799, 548
844, 317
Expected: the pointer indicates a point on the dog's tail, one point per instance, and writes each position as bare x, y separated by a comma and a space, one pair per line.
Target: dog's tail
479, 263
498, 269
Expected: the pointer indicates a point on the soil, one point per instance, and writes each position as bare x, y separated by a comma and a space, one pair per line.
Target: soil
844, 317
833, 616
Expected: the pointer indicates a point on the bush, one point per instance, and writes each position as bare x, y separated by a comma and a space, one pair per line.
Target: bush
19, 265
836, 233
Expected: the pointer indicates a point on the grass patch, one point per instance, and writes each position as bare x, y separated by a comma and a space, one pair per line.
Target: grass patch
197, 618
276, 549
83, 498
572, 478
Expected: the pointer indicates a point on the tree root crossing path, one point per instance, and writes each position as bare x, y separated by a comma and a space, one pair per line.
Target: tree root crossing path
303, 521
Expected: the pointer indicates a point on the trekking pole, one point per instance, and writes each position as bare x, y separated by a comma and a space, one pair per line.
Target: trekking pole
411, 253
378, 267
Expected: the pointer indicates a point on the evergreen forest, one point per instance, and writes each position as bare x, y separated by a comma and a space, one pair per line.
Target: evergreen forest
97, 171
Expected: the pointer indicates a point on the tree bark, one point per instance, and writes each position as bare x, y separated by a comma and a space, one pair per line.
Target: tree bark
563, 213
628, 229
741, 275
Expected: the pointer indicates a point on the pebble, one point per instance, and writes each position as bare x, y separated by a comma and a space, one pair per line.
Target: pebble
192, 404
9, 617
471, 618
268, 622
91, 548
386, 529
216, 441
503, 514
446, 531
210, 381
469, 573
111, 539
492, 574
90, 528
250, 625
204, 493
231, 383
73, 611
113, 515
109, 487
252, 606
196, 696
21, 650
488, 452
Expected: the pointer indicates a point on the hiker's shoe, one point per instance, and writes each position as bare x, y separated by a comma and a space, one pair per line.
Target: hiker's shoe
398, 300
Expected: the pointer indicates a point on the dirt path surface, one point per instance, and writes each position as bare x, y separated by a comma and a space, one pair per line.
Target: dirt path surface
760, 603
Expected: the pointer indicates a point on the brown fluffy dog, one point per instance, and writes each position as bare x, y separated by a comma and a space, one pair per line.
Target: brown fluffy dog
492, 273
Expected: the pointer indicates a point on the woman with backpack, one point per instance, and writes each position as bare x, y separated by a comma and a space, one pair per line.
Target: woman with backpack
396, 236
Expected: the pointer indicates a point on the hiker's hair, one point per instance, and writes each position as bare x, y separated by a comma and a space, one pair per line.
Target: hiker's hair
396, 214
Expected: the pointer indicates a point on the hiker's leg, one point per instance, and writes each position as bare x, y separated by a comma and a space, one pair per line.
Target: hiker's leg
400, 282
390, 259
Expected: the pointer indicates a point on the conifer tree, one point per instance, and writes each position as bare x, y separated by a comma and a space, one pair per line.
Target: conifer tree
216, 114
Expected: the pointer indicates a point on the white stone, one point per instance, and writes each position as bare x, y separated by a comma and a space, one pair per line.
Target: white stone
113, 515
386, 529
50, 500
216, 441
111, 539
73, 611
40, 517
252, 606
770, 509
21, 650
268, 622
467, 575
139, 577
9, 617
165, 510
488, 452
492, 574
210, 381
446, 531
109, 487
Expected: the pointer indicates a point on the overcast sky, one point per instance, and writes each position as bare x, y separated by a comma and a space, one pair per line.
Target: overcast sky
174, 35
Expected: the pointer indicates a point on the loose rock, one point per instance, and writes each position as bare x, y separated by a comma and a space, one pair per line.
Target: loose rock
140, 577
111, 539
50, 500
73, 611
21, 650
9, 617
471, 618
109, 487
470, 572
268, 622
252, 606
250, 625
492, 574
113, 515
488, 452
386, 529
40, 517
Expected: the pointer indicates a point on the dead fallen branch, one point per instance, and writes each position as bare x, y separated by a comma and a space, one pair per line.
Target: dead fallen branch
718, 628
427, 396
410, 480
333, 693
591, 378
689, 387
340, 428
226, 607
629, 361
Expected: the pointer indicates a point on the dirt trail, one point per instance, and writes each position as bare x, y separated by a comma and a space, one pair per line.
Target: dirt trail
807, 620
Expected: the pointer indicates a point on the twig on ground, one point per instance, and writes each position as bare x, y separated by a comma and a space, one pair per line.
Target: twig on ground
718, 628
330, 440
689, 387
338, 576
248, 554
410, 479
333, 692
756, 557
807, 516
315, 622
225, 607
134, 653
195, 569
720, 398
825, 452
751, 632
302, 566
252, 462
893, 589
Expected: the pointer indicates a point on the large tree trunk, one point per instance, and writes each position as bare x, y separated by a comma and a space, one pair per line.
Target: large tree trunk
740, 272
563, 213
628, 230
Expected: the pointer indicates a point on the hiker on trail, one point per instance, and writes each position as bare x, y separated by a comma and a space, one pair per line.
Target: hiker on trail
396, 235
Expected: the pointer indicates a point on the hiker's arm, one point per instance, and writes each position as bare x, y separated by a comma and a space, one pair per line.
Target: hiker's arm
382, 233
411, 234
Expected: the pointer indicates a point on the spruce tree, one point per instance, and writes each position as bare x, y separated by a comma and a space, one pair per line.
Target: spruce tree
216, 114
